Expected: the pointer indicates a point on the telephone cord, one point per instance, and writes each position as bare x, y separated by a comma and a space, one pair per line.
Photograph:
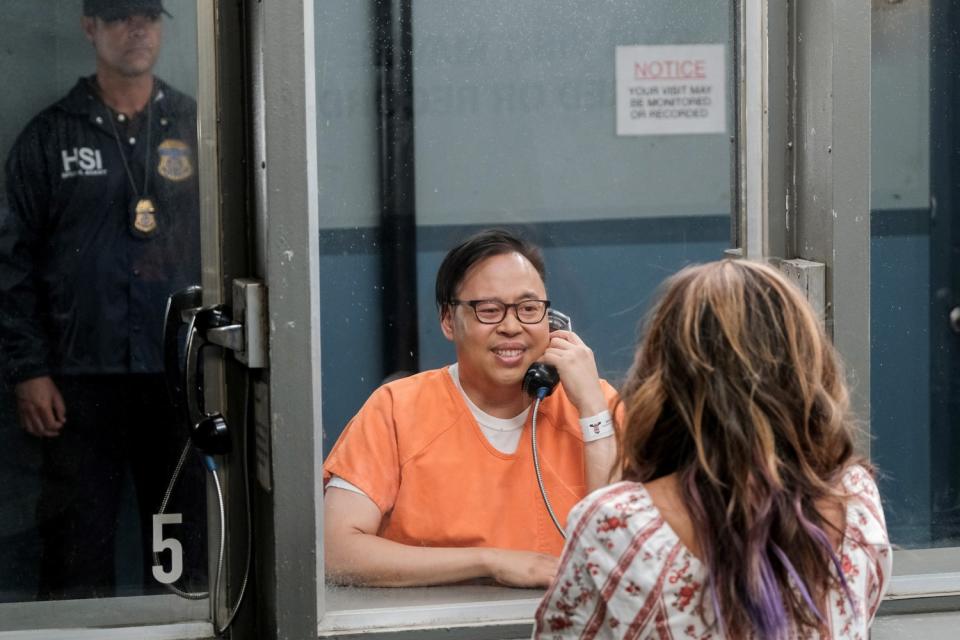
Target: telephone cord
189, 595
541, 393
212, 467
246, 497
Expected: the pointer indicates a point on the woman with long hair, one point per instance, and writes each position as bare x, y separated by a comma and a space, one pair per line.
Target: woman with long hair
743, 510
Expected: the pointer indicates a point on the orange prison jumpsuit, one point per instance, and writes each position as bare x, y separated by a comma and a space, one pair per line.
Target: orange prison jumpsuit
417, 452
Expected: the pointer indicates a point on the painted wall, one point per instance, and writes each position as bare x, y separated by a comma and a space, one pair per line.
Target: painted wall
900, 370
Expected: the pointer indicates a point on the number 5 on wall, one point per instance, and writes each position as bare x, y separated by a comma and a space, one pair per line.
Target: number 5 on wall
161, 544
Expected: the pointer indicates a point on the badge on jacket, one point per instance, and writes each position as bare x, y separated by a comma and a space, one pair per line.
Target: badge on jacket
175, 162
144, 217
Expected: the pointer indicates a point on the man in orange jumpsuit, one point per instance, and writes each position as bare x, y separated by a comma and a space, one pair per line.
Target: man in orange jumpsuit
433, 480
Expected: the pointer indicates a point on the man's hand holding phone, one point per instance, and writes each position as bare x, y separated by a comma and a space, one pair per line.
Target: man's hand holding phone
577, 366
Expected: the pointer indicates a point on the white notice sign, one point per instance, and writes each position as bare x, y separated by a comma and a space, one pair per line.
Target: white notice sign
669, 89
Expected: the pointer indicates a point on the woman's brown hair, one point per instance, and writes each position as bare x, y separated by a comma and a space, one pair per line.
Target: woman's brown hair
737, 390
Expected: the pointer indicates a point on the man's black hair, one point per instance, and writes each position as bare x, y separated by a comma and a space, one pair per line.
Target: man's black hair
480, 246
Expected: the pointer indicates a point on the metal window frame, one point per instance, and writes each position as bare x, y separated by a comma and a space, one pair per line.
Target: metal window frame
830, 75
920, 574
290, 594
763, 115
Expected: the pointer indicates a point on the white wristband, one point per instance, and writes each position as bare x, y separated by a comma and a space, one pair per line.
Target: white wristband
597, 427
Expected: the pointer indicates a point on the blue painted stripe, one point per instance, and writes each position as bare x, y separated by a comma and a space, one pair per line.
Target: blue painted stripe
899, 222
579, 233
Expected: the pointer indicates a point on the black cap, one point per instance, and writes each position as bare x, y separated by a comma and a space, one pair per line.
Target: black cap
117, 9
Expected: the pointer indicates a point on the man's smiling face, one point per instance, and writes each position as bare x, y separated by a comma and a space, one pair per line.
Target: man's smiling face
494, 357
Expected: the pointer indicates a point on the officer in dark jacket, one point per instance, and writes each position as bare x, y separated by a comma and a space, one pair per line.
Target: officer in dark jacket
103, 225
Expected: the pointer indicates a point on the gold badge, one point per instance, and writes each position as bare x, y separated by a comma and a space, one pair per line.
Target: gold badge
145, 216
175, 162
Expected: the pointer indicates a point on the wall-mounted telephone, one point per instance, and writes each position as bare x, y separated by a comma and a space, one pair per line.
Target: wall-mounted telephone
542, 378
205, 326
539, 381
208, 430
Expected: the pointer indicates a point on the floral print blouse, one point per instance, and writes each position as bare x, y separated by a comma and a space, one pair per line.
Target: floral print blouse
625, 574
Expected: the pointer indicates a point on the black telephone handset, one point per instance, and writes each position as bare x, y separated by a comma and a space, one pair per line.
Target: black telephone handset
184, 374
208, 429
541, 379
181, 306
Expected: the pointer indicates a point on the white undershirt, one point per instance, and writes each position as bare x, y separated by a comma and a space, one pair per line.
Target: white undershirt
502, 433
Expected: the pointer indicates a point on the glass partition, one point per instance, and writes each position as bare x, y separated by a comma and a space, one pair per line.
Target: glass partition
915, 346
511, 120
99, 223
602, 132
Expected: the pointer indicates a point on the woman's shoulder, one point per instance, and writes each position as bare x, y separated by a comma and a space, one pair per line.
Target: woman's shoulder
864, 510
862, 494
857, 480
619, 506
866, 557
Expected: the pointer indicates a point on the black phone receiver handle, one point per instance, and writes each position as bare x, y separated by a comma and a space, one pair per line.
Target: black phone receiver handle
208, 430
540, 380
190, 298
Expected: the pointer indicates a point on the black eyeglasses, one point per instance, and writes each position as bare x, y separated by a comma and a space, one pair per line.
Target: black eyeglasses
494, 311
